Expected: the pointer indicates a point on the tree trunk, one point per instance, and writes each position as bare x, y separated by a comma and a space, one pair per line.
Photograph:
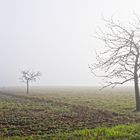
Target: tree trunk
27, 87
136, 84
137, 94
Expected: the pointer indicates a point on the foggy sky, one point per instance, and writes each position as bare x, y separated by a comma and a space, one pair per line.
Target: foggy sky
54, 37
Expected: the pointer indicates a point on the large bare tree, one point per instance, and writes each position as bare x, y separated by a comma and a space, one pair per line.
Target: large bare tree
120, 61
29, 76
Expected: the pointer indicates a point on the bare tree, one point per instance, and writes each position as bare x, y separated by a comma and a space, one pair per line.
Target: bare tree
120, 62
29, 76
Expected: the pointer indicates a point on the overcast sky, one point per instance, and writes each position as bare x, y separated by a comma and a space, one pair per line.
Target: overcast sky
54, 37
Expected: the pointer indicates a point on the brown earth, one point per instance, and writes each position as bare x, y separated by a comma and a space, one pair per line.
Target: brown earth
22, 115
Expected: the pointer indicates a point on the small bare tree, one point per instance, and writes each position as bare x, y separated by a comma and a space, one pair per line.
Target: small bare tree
29, 76
120, 62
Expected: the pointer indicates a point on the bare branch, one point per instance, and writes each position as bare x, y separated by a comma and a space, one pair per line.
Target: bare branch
121, 58
29, 76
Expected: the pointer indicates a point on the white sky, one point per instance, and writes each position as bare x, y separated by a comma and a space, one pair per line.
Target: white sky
54, 37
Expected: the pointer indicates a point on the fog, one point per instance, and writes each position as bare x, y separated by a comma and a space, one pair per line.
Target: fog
54, 37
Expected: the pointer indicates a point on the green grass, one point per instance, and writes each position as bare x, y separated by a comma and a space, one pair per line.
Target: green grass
64, 113
119, 132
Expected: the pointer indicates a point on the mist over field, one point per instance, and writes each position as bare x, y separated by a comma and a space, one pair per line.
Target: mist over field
58, 62
54, 37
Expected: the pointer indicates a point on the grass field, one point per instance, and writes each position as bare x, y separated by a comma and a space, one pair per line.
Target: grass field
68, 113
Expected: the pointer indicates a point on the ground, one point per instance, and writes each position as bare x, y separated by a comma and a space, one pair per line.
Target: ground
62, 112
